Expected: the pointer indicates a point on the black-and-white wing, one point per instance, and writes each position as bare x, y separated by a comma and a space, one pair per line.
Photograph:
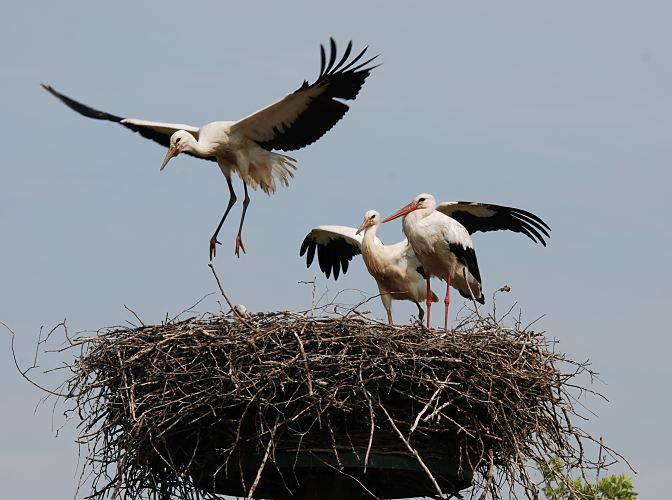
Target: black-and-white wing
335, 245
156, 131
302, 117
486, 217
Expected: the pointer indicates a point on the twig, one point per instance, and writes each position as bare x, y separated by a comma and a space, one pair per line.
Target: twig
240, 318
426, 407
305, 361
134, 314
269, 446
219, 284
372, 419
24, 372
411, 449
491, 475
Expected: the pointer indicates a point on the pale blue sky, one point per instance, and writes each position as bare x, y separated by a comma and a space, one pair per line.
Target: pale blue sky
560, 109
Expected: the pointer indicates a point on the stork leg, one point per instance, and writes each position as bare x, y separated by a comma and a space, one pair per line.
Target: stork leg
429, 298
421, 312
389, 318
239, 240
232, 201
447, 302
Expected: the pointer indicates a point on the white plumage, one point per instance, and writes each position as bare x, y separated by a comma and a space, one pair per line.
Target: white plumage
246, 146
396, 269
440, 237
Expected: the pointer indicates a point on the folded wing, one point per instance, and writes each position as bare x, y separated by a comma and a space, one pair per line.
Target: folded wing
486, 217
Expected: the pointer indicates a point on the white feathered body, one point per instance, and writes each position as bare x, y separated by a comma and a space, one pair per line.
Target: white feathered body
394, 267
443, 246
236, 152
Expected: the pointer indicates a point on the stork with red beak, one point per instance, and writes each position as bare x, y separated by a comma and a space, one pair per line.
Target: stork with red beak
249, 146
440, 238
396, 269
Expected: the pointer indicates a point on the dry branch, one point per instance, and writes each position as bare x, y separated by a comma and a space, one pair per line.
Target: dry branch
178, 409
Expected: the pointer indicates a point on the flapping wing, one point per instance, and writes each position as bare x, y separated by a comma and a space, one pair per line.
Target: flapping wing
307, 114
155, 131
486, 217
336, 246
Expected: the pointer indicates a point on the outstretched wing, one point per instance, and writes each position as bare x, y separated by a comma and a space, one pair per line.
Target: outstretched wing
301, 118
155, 131
486, 217
335, 245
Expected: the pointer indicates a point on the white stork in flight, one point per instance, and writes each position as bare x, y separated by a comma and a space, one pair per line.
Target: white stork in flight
439, 237
395, 268
246, 146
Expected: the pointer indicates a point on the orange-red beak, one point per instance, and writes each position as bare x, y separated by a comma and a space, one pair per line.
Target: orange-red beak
403, 211
363, 226
173, 151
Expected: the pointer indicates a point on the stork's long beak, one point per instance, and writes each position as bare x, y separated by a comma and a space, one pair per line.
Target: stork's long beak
403, 211
363, 226
173, 151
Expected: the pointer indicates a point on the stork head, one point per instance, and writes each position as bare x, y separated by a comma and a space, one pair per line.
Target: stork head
423, 201
371, 218
178, 143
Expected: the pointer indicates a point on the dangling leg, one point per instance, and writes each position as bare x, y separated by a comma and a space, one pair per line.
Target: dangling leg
386, 299
421, 312
239, 240
232, 201
447, 301
429, 298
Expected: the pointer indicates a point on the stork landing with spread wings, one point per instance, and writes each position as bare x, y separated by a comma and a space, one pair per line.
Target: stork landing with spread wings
440, 238
395, 268
246, 146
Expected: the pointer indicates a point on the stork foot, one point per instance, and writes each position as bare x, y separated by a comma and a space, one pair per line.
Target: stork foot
213, 247
239, 246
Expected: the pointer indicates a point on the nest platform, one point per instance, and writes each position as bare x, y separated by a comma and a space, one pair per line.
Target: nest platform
287, 405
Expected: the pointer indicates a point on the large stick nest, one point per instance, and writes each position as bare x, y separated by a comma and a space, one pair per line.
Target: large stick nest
216, 404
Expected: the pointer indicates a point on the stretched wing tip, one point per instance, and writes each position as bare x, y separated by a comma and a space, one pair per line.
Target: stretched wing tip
50, 89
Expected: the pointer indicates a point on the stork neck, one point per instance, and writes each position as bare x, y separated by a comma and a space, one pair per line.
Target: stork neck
415, 216
369, 239
371, 251
199, 149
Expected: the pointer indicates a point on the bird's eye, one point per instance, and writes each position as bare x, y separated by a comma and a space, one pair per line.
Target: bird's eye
421, 200
177, 141
372, 217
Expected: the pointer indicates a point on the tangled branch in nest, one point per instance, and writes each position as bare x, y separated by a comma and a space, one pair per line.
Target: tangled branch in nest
193, 409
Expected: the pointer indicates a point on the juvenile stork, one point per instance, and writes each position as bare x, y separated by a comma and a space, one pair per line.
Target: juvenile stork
395, 268
246, 146
440, 238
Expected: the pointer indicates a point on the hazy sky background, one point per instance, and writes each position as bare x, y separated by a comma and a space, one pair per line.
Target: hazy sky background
563, 109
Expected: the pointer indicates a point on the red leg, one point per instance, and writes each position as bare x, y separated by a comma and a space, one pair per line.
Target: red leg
389, 318
447, 302
429, 299
239, 246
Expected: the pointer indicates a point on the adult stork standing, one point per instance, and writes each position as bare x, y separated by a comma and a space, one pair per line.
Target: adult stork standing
246, 146
440, 238
395, 268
